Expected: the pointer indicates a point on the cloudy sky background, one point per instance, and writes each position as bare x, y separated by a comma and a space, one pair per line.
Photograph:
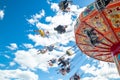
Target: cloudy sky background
19, 43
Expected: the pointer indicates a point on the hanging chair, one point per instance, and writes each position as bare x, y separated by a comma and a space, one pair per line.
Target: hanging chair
42, 33
63, 71
50, 64
61, 5
69, 52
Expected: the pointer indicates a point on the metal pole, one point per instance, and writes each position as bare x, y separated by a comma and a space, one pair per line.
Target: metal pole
116, 62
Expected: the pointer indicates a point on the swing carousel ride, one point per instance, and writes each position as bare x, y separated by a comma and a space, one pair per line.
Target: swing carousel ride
97, 31
97, 34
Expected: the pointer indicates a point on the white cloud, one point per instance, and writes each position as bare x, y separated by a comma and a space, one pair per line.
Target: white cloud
59, 18
1, 14
26, 58
35, 18
40, 40
40, 25
18, 75
76, 10
48, 19
52, 39
7, 56
104, 72
12, 63
54, 7
30, 59
28, 45
2, 65
13, 46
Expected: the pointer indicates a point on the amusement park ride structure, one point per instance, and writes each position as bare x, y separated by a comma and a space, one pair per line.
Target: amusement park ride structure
97, 31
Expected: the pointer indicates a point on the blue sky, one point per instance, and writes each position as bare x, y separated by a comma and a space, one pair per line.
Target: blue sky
19, 43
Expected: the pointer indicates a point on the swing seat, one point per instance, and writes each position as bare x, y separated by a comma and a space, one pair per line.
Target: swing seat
50, 64
42, 33
69, 52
